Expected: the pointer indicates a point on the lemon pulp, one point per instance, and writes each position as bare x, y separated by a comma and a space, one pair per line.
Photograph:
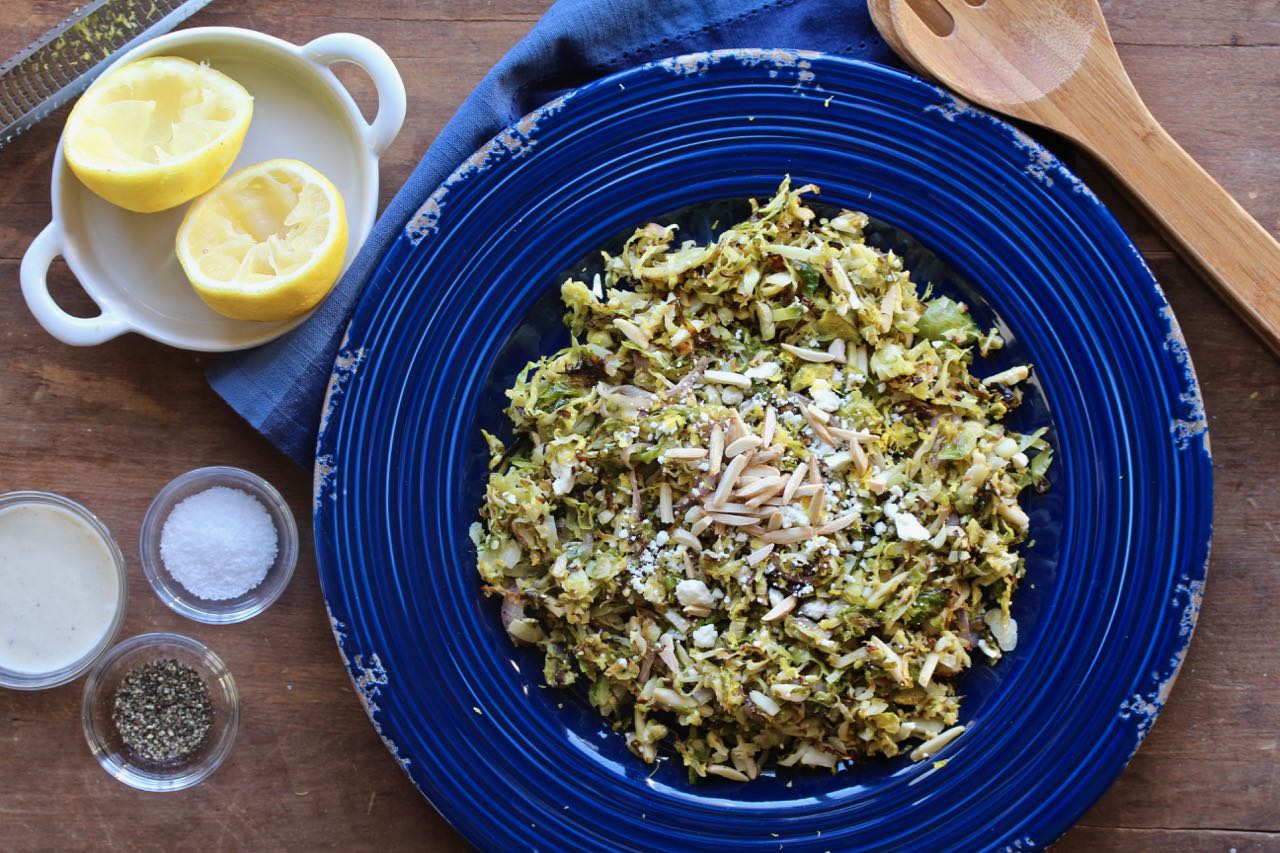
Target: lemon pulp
158, 132
268, 243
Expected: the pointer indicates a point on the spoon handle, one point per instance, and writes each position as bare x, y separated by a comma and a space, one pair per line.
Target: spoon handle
1208, 227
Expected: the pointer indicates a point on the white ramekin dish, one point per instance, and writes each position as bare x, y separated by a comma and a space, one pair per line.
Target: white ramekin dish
126, 262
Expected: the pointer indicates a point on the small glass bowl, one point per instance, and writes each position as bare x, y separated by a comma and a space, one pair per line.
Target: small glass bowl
229, 610
39, 681
99, 699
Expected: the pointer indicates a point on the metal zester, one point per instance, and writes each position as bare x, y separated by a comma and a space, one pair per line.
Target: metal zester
64, 61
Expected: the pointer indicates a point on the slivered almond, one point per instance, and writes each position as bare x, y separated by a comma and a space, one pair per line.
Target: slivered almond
763, 456
759, 554
781, 609
730, 477
732, 520
805, 354
764, 484
739, 424
815, 476
837, 524
808, 490
788, 535
838, 461
682, 453
693, 514
837, 350
819, 428
860, 460
770, 425
852, 434
732, 509
742, 445
888, 307
797, 477
726, 377
717, 450
664, 504
812, 409
700, 525
635, 494
753, 530
775, 520
633, 332
763, 498
757, 472
860, 359
668, 654
684, 537
816, 505
840, 282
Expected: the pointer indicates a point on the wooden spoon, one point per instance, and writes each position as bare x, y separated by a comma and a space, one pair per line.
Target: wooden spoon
1053, 63
882, 17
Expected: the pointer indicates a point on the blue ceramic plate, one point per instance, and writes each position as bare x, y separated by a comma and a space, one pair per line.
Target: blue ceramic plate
468, 294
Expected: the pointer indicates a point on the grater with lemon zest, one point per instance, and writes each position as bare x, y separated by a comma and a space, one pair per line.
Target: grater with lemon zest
64, 61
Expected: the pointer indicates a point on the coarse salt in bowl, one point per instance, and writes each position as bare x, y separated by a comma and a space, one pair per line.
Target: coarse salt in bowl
200, 559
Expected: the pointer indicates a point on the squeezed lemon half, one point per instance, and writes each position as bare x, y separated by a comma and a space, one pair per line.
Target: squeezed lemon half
267, 243
155, 133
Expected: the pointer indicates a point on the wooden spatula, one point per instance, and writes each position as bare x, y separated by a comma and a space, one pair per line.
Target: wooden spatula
1053, 63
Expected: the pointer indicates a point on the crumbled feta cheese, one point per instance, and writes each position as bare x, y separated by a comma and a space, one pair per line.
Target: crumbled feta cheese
705, 637
692, 593
814, 609
794, 516
909, 528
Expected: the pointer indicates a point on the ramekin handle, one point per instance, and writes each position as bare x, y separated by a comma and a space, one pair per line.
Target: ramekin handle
349, 47
77, 331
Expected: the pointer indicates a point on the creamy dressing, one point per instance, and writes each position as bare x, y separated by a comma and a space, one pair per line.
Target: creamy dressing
58, 588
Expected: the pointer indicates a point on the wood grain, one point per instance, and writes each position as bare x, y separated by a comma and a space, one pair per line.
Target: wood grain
110, 425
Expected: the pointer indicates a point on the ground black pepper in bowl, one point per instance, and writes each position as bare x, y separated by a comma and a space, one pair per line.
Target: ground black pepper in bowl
162, 710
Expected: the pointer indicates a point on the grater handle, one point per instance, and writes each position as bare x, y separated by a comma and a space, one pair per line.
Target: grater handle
77, 331
349, 47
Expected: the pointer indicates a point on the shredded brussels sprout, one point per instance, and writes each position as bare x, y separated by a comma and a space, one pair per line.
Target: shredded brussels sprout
761, 506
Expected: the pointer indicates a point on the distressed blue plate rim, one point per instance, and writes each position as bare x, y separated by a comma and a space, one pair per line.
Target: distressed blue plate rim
1114, 582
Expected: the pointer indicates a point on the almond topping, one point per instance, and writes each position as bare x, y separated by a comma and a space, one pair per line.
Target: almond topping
747, 442
781, 609
805, 354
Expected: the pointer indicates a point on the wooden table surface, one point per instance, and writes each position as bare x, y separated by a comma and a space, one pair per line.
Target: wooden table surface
110, 425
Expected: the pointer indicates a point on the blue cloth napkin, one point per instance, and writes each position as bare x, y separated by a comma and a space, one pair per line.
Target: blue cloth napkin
279, 387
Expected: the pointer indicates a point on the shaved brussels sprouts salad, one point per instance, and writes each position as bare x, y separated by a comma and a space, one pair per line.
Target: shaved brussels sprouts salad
761, 507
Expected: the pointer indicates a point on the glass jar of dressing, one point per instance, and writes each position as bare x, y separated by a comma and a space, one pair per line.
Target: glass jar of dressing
63, 589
